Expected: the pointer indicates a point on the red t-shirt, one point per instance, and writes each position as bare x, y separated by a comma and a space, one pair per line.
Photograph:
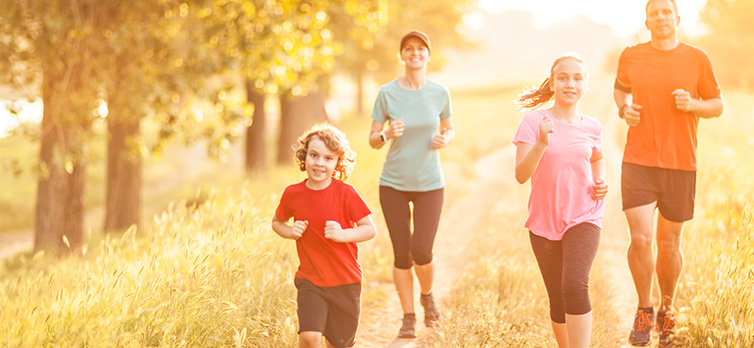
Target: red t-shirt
665, 136
324, 262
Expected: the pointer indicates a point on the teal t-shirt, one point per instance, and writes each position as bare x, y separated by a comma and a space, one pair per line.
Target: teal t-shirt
412, 164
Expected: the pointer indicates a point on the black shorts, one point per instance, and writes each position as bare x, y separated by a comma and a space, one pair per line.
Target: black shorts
673, 190
333, 311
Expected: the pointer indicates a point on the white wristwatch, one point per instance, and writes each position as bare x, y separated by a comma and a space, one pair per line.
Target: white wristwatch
383, 137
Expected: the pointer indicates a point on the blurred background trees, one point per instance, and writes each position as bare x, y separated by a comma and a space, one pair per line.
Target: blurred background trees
103, 69
729, 41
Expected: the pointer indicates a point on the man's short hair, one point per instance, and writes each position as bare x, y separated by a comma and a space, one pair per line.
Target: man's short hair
675, 6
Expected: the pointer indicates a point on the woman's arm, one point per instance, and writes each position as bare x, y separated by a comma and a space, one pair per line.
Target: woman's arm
394, 130
364, 230
375, 140
446, 135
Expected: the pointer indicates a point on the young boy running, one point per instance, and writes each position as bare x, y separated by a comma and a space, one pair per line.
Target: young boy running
329, 218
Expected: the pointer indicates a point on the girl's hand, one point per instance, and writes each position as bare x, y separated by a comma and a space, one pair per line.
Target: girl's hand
546, 126
599, 189
440, 141
395, 129
334, 232
298, 228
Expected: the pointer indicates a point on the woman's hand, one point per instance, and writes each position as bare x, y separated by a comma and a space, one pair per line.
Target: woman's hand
440, 140
395, 129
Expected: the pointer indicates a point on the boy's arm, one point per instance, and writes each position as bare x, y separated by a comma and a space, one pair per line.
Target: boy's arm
287, 231
364, 230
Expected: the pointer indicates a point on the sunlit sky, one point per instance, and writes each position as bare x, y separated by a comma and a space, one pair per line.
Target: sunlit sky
625, 17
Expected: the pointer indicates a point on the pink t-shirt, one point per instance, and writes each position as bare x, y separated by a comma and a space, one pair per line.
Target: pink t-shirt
562, 184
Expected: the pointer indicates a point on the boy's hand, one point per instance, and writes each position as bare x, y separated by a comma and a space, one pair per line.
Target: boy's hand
298, 228
334, 232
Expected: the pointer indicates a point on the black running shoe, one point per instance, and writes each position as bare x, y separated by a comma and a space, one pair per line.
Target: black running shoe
431, 313
408, 329
665, 325
639, 336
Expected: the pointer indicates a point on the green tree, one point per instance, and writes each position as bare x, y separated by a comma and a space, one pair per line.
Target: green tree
729, 41
277, 48
368, 36
155, 63
56, 45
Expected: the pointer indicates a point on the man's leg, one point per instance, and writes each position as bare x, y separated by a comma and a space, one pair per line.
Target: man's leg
669, 259
641, 259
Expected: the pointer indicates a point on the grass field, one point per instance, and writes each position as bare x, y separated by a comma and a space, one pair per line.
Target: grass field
218, 276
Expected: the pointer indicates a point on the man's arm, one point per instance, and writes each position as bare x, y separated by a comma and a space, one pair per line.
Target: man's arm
706, 108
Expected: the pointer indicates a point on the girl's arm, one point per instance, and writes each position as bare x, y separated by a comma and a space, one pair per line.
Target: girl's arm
527, 160
528, 156
364, 230
598, 173
287, 231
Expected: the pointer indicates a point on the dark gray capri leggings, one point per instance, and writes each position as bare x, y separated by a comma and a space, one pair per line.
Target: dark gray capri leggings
416, 247
565, 266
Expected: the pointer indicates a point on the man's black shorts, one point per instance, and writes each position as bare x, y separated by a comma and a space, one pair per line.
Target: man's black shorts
673, 190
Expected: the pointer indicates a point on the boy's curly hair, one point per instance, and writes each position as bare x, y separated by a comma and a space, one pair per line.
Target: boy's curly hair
335, 140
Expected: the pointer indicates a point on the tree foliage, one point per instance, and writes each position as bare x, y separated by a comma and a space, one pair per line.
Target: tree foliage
729, 41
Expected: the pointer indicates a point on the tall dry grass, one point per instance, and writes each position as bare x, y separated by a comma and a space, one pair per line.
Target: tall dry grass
716, 291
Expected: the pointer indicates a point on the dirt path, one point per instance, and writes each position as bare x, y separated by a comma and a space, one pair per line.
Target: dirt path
12, 243
460, 218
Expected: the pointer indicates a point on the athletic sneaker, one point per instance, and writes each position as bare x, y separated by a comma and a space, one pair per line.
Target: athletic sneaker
408, 329
665, 324
639, 336
431, 314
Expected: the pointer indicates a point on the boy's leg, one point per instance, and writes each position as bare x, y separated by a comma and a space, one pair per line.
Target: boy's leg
344, 307
312, 313
310, 339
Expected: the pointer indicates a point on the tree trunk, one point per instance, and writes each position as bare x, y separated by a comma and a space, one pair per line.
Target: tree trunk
359, 92
60, 192
297, 114
123, 193
256, 159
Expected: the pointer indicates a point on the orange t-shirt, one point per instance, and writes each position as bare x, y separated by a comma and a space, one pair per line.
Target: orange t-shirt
665, 136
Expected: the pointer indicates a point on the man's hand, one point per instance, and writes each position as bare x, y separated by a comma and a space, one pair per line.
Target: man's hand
683, 100
632, 115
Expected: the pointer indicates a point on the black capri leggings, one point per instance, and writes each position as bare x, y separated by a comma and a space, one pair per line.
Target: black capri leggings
565, 266
411, 248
